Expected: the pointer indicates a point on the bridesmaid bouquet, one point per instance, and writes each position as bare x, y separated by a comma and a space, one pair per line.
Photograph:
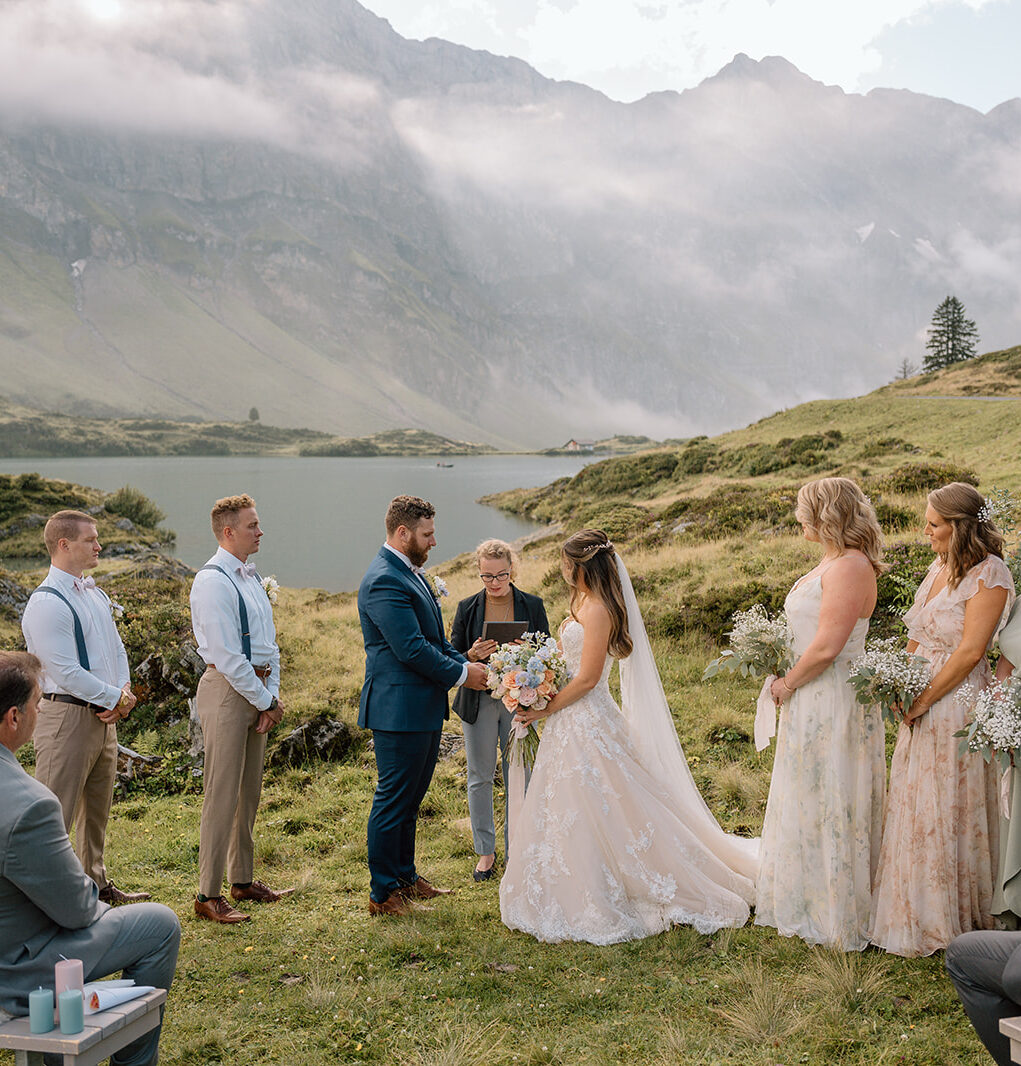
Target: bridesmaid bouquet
995, 728
759, 645
886, 674
527, 673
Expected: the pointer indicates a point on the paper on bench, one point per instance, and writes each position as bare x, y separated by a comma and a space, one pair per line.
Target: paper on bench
102, 995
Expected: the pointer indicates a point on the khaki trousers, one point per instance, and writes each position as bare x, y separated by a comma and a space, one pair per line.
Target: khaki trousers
232, 779
76, 759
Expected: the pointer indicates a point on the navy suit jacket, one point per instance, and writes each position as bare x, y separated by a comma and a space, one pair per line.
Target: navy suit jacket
409, 663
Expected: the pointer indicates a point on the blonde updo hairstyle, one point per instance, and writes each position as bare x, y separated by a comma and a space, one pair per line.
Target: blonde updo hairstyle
841, 516
497, 549
973, 535
590, 553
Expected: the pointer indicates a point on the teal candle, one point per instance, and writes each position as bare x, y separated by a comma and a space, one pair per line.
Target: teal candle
72, 1011
40, 1010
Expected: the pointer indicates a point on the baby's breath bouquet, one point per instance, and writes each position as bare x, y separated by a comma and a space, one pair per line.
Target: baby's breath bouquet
759, 645
995, 728
526, 673
886, 674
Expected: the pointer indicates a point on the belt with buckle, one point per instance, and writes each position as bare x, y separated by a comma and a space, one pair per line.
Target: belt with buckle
62, 697
261, 672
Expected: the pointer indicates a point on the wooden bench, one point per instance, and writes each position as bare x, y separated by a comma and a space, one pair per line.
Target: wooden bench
1011, 1027
105, 1032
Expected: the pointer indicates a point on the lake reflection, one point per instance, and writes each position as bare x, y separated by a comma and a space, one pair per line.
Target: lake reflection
323, 518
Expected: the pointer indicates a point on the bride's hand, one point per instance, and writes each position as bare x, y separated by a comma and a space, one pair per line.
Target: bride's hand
528, 715
778, 691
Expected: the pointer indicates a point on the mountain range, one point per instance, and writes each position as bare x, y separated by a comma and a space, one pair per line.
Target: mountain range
208, 206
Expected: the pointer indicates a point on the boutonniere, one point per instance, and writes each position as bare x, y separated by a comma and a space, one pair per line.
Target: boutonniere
437, 586
116, 610
271, 587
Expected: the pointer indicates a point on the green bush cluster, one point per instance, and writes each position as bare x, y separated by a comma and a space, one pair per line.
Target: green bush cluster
131, 503
734, 509
908, 564
626, 474
924, 477
615, 519
875, 449
22, 494
712, 611
754, 460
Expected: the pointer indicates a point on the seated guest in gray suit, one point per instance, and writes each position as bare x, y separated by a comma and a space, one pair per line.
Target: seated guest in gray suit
49, 908
985, 967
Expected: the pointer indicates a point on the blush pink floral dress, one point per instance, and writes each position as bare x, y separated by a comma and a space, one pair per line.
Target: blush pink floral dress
941, 837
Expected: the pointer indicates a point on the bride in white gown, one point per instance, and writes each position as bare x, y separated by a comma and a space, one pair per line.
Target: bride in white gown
614, 841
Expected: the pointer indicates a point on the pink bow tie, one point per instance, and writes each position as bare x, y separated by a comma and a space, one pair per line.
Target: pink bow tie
83, 583
247, 570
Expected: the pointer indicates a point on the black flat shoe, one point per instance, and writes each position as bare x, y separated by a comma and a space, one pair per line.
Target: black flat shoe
484, 875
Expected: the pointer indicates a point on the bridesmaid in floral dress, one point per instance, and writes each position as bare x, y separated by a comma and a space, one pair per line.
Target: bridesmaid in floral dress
940, 841
824, 816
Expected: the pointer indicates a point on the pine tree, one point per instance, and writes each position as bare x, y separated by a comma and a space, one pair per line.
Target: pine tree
952, 337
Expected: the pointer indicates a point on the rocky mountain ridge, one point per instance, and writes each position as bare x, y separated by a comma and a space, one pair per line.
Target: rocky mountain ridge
362, 232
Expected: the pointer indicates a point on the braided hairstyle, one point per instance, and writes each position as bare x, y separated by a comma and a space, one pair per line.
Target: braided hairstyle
590, 553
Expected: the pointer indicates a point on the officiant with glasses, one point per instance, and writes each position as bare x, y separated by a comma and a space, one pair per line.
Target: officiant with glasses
481, 624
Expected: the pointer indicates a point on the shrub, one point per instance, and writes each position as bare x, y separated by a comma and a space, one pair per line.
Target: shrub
713, 610
924, 477
734, 509
626, 474
130, 503
894, 518
698, 457
615, 519
908, 563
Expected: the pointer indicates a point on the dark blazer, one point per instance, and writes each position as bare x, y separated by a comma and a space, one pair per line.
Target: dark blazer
409, 663
467, 629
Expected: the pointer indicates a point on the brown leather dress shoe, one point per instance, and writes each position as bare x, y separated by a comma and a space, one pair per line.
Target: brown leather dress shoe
258, 892
219, 910
111, 894
421, 889
395, 905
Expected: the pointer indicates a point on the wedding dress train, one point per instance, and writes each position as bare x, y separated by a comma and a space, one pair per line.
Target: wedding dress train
613, 841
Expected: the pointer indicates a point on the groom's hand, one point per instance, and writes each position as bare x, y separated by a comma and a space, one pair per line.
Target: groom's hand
477, 674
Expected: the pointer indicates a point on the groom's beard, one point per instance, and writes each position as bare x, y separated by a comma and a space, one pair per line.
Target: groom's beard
416, 555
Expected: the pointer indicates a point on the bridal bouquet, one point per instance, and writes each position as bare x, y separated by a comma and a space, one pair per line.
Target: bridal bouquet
527, 673
759, 645
995, 728
886, 674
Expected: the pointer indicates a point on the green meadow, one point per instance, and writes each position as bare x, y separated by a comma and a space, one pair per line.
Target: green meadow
706, 527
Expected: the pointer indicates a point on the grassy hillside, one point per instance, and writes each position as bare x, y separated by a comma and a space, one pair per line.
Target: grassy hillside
29, 433
705, 528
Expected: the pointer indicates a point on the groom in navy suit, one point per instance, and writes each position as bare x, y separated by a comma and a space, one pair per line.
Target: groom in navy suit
409, 668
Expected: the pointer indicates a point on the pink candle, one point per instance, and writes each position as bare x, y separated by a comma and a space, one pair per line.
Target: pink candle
67, 974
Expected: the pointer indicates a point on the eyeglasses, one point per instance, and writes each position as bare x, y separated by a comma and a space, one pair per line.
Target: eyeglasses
495, 578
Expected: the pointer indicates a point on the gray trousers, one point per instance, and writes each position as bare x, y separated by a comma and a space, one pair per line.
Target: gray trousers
480, 741
139, 940
985, 968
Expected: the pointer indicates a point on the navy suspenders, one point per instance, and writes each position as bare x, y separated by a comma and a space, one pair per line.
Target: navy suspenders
246, 636
79, 633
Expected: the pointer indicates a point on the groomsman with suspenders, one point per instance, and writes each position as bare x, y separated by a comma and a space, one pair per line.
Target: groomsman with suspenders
69, 626
238, 702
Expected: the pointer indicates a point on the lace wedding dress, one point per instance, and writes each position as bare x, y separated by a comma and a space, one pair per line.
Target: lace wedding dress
824, 816
614, 841
941, 838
